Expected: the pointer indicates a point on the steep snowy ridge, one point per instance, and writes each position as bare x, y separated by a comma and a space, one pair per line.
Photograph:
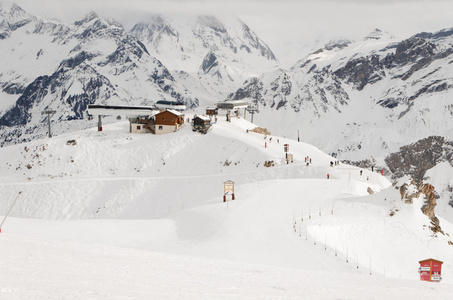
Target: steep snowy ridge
189, 44
12, 17
189, 39
160, 198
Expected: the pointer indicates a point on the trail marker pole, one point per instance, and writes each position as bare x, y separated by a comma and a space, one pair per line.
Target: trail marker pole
9, 210
99, 123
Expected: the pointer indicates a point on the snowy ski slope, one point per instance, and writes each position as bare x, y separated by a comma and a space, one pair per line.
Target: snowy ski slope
114, 215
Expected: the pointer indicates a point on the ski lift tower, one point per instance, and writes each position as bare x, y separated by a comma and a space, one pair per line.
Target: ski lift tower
49, 114
252, 110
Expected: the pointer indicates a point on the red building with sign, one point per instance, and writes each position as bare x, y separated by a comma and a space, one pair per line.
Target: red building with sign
430, 270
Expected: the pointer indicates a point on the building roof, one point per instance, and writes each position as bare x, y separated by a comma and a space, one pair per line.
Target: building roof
204, 118
232, 104
130, 111
429, 259
170, 102
179, 105
176, 113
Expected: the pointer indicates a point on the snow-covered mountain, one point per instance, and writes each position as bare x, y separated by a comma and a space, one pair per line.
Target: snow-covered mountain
212, 55
65, 68
361, 99
99, 206
182, 42
62, 67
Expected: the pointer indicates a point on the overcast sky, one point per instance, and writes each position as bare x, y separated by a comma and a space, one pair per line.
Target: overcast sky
283, 24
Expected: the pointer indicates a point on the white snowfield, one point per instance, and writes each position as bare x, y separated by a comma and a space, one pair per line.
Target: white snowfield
114, 215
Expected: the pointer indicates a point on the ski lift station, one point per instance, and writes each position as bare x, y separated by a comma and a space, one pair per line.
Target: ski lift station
143, 119
233, 105
164, 117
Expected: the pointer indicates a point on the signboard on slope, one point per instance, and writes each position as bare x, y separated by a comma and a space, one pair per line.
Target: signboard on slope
228, 189
430, 270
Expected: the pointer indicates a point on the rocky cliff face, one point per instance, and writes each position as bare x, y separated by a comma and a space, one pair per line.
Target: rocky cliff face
415, 159
320, 93
396, 61
412, 190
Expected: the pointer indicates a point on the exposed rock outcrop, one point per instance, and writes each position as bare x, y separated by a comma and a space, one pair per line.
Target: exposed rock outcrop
260, 130
415, 159
408, 194
269, 163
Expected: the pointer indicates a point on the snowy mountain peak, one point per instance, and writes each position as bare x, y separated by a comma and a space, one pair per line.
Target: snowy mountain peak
88, 18
378, 34
12, 17
155, 30
210, 22
337, 44
181, 43
9, 10
257, 43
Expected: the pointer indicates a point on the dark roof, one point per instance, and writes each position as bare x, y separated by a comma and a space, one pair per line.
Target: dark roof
166, 102
116, 107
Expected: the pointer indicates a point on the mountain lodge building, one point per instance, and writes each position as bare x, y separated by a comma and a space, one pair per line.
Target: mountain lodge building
166, 121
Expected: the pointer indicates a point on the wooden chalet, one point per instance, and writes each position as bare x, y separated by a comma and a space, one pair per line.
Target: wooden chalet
166, 121
212, 111
201, 124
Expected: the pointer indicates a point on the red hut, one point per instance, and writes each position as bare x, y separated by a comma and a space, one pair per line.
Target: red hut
430, 270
